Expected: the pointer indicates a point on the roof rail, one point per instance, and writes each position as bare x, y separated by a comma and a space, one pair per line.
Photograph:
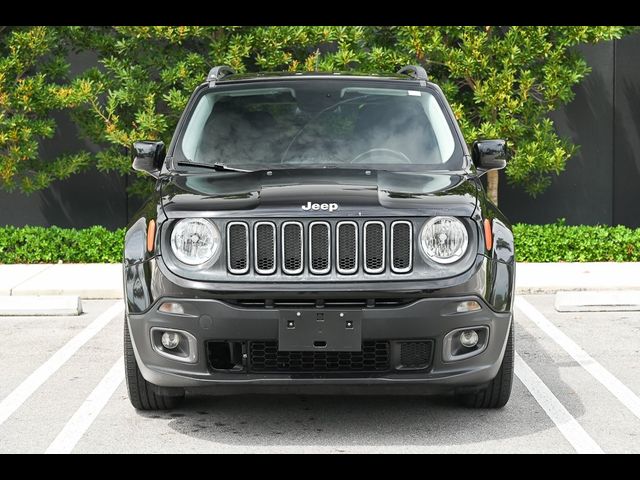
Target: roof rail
415, 71
218, 73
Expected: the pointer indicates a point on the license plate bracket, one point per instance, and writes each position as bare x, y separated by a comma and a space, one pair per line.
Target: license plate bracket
320, 330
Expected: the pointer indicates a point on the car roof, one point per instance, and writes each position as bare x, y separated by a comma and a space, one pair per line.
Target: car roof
250, 77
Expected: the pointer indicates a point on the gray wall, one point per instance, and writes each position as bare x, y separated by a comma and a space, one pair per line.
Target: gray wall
90, 198
601, 184
626, 144
87, 199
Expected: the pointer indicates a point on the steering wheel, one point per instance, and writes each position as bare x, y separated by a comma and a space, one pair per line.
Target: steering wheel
386, 151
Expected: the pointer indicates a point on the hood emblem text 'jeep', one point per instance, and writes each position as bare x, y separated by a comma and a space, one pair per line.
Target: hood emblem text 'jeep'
331, 207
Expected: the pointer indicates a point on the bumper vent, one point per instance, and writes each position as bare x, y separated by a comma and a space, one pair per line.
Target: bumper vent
265, 358
415, 355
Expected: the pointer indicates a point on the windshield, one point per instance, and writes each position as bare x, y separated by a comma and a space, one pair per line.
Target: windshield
320, 123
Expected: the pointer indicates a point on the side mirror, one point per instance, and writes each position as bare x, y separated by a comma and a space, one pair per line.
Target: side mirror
489, 155
148, 157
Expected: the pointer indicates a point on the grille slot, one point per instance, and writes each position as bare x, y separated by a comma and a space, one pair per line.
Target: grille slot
347, 247
374, 247
320, 248
415, 355
292, 248
238, 248
265, 248
401, 246
265, 357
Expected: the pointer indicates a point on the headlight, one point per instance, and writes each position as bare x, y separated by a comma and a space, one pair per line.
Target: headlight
444, 239
195, 241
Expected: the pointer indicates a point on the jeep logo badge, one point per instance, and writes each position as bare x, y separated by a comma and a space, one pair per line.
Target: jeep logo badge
331, 207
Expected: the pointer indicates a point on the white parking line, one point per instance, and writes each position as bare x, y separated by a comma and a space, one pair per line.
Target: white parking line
80, 422
606, 378
22, 392
568, 426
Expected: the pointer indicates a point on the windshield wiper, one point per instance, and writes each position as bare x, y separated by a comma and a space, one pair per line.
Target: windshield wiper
218, 167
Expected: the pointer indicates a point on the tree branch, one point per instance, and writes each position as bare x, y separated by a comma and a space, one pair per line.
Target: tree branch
535, 93
469, 81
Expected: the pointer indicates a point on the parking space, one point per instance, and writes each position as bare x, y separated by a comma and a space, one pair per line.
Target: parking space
565, 397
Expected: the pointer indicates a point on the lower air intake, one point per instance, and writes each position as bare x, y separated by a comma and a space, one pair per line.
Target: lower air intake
415, 355
266, 358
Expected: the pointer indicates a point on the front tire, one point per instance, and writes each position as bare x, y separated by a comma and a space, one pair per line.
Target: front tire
497, 393
142, 394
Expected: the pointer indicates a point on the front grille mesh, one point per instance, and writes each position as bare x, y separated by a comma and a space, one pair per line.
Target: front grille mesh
401, 247
265, 248
320, 247
375, 247
238, 243
347, 247
265, 358
292, 248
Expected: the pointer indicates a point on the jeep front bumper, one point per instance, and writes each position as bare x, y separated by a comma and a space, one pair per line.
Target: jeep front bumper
216, 322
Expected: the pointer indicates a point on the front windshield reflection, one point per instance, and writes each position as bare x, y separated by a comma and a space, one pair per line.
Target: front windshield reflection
316, 123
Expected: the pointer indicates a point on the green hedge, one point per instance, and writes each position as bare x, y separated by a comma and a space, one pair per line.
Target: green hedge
53, 245
534, 243
562, 243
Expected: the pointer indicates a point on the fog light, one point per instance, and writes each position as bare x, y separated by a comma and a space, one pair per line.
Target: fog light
470, 306
466, 342
171, 340
468, 338
172, 307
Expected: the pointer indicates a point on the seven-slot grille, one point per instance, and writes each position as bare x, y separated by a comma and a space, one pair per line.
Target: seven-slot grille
372, 247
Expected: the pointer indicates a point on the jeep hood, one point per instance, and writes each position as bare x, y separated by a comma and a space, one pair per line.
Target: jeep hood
282, 193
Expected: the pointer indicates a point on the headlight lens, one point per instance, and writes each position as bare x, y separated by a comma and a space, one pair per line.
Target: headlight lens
444, 239
195, 241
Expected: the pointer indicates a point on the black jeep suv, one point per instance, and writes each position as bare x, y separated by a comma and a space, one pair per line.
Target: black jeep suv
319, 233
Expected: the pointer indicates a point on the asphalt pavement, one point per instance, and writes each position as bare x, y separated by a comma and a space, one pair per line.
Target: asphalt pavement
576, 390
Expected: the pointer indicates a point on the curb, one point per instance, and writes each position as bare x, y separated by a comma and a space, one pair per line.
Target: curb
87, 281
549, 278
598, 301
40, 306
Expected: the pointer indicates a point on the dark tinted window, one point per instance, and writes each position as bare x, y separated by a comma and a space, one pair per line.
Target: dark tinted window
320, 123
